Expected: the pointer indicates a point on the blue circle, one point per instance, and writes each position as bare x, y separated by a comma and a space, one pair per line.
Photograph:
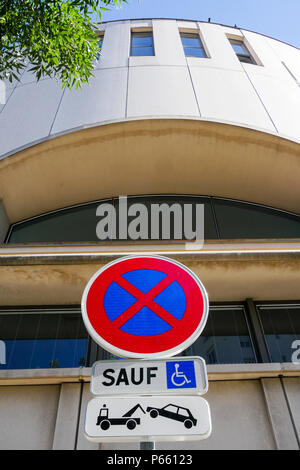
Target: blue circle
145, 322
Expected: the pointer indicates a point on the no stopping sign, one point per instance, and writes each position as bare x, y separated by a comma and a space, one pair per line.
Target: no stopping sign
144, 306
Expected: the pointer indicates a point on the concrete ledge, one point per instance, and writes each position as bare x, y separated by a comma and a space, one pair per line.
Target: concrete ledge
82, 374
222, 251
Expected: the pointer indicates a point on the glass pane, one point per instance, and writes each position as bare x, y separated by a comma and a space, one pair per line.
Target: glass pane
142, 51
245, 59
239, 48
238, 220
141, 39
281, 325
194, 52
68, 225
190, 40
35, 341
169, 222
225, 339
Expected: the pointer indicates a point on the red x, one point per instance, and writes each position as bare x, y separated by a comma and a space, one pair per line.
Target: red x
145, 300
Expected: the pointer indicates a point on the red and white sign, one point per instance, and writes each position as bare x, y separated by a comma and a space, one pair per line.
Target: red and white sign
144, 307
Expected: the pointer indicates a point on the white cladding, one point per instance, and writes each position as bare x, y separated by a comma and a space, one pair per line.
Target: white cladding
217, 88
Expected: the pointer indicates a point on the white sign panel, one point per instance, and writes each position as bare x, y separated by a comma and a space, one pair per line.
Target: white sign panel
147, 418
180, 375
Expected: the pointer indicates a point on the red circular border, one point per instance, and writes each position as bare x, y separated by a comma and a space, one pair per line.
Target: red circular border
102, 325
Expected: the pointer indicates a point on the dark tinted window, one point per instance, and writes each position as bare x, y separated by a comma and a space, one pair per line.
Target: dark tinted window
281, 325
169, 201
225, 338
224, 219
35, 341
239, 220
69, 225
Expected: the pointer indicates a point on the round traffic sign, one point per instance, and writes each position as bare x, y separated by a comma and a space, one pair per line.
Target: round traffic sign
144, 306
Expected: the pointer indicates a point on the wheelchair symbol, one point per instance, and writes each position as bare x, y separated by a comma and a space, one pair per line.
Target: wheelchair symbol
178, 378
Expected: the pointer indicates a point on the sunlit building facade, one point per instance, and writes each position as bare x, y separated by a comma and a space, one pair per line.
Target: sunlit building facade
178, 112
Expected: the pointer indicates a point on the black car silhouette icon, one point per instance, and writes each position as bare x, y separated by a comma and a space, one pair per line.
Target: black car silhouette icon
175, 412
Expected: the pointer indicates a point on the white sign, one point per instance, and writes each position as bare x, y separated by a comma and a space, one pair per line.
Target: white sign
150, 418
180, 375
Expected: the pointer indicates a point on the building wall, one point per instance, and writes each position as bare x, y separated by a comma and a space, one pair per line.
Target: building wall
266, 415
218, 88
163, 124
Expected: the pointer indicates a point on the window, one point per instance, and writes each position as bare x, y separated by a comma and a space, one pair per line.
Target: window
37, 338
142, 44
220, 341
192, 45
242, 51
100, 44
43, 339
223, 219
238, 220
281, 327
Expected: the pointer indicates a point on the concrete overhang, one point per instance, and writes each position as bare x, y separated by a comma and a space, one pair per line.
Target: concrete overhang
264, 271
151, 156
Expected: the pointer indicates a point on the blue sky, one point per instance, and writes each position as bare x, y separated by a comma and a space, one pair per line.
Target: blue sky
276, 18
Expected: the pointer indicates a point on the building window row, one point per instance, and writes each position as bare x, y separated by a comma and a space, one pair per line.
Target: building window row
224, 219
142, 44
234, 334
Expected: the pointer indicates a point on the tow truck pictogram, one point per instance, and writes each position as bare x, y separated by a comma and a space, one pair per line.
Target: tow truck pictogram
105, 422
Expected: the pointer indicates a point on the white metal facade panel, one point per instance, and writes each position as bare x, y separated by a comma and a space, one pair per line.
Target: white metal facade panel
287, 54
116, 44
227, 95
282, 100
261, 50
220, 52
29, 114
104, 99
167, 43
160, 91
161, 85
5, 94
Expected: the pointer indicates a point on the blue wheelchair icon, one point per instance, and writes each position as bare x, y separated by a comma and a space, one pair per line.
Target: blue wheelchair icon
181, 374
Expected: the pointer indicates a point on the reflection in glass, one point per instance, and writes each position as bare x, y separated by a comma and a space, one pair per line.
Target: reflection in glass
192, 45
35, 341
142, 44
225, 338
224, 219
240, 220
281, 325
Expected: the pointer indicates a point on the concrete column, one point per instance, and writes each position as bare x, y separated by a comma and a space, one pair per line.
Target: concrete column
279, 415
67, 417
292, 390
82, 442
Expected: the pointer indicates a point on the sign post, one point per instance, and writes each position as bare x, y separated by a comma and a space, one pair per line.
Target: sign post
146, 309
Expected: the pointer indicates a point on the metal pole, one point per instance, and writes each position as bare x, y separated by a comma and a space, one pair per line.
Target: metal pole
147, 445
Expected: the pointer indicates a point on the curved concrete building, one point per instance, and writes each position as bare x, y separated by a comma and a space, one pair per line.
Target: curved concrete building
177, 112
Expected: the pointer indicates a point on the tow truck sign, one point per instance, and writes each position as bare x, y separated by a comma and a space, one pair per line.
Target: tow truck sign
177, 376
133, 418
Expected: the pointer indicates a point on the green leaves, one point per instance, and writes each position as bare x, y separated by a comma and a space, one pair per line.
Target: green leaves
56, 37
